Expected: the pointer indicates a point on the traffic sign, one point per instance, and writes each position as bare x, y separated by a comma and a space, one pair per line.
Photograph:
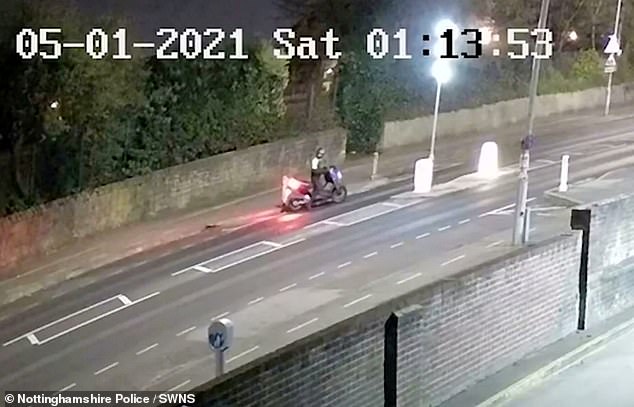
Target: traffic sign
220, 335
610, 64
613, 46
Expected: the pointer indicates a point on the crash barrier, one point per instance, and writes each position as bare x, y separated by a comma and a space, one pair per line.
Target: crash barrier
424, 347
498, 115
197, 184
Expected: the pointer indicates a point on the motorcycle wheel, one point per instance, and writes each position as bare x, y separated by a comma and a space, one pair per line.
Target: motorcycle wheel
295, 205
339, 195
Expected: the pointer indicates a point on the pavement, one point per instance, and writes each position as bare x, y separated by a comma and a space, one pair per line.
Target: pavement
141, 323
611, 185
131, 246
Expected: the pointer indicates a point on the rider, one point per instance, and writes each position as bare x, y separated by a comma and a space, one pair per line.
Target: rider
319, 170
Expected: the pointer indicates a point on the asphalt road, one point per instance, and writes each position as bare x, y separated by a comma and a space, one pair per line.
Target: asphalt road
145, 328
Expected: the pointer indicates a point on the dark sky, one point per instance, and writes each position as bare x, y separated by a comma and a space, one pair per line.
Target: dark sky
256, 17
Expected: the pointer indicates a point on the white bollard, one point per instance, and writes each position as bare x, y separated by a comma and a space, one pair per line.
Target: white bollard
488, 162
563, 178
423, 175
375, 165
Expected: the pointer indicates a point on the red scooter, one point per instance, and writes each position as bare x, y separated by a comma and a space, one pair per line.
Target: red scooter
298, 194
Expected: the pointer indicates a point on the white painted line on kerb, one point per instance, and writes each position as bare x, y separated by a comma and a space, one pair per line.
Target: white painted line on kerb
346, 264
410, 278
422, 236
224, 314
253, 302
316, 276
186, 331
442, 229
499, 242
395, 245
288, 287
70, 386
35, 341
243, 354
367, 256
462, 222
105, 369
455, 259
178, 386
300, 326
202, 269
358, 300
149, 348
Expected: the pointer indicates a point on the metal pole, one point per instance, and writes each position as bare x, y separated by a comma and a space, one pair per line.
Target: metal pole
608, 95
435, 122
522, 192
563, 176
220, 363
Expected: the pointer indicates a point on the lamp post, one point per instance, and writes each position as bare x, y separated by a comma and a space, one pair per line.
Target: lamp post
441, 71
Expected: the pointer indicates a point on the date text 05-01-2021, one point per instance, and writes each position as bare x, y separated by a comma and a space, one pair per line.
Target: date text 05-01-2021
48, 43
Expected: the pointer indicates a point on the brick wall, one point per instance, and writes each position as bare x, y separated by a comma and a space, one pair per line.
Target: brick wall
196, 184
611, 258
455, 331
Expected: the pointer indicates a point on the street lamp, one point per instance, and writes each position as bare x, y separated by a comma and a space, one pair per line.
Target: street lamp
441, 71
573, 36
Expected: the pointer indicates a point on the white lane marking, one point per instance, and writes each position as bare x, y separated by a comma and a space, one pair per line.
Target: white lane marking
395, 245
300, 326
149, 348
367, 256
178, 386
499, 242
410, 278
70, 386
105, 369
502, 209
253, 302
358, 300
422, 236
202, 269
35, 341
278, 245
179, 272
346, 264
186, 331
332, 222
392, 204
462, 222
288, 287
125, 300
224, 314
293, 242
455, 259
442, 229
246, 352
316, 276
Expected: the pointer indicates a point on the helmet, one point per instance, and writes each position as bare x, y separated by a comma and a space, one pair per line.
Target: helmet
320, 152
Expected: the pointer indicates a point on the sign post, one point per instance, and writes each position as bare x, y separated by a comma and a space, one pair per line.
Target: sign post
220, 335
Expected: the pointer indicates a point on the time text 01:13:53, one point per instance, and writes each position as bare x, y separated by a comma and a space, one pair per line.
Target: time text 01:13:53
48, 43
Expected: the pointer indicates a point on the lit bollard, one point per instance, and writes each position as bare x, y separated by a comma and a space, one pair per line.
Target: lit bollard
488, 163
563, 178
423, 175
375, 165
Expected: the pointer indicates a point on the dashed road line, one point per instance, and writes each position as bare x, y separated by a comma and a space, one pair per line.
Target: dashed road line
442, 229
392, 204
252, 302
273, 244
455, 259
408, 279
300, 326
367, 256
316, 276
346, 264
202, 269
178, 273
358, 300
186, 331
422, 236
149, 348
70, 386
462, 222
224, 314
105, 369
395, 245
499, 242
178, 386
288, 287
240, 355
